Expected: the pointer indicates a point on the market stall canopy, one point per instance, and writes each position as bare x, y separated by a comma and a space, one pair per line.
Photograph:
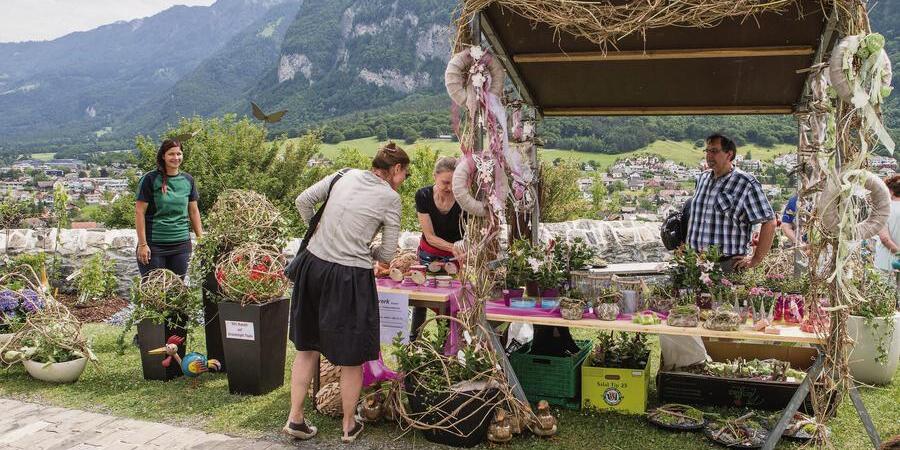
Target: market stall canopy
744, 65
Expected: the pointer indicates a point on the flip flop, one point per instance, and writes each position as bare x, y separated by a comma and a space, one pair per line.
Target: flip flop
353, 434
302, 431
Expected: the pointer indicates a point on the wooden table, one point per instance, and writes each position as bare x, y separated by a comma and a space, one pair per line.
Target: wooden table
790, 334
423, 298
628, 269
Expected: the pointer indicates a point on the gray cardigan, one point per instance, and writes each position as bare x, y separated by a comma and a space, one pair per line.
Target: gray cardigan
361, 203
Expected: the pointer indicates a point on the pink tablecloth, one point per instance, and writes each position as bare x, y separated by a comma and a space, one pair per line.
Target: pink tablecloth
499, 307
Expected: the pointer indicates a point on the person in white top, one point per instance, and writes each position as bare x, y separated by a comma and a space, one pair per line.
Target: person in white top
334, 305
888, 243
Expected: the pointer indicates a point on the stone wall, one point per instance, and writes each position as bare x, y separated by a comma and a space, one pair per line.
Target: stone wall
617, 241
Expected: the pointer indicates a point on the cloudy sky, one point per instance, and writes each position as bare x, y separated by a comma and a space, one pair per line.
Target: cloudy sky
39, 20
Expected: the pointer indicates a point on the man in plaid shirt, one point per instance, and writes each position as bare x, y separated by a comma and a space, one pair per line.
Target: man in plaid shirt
727, 204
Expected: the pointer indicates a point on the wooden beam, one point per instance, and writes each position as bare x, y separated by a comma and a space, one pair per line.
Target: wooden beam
667, 110
700, 53
500, 52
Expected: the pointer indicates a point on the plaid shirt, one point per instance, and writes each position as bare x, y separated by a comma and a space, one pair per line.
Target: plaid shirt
724, 210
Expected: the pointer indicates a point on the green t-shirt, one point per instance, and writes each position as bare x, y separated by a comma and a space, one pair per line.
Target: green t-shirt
167, 215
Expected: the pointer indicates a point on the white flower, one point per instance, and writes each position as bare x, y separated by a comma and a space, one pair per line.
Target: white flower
707, 266
859, 191
467, 336
461, 357
476, 52
478, 80
535, 264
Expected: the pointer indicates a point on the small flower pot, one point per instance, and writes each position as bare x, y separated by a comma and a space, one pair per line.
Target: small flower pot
551, 293
255, 342
509, 294
66, 372
571, 309
607, 311
686, 319
532, 289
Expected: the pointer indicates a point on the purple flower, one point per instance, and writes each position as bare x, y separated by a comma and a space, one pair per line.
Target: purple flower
9, 301
32, 301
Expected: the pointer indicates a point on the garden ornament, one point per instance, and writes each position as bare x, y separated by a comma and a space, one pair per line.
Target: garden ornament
460, 79
839, 190
192, 365
275, 117
544, 424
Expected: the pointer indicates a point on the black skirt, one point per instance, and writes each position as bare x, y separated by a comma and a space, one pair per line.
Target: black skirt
334, 311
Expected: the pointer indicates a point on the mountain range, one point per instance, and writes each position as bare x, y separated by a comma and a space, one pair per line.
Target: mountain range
320, 59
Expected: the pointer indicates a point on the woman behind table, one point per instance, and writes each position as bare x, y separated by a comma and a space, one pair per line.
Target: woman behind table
334, 306
439, 215
439, 218
165, 213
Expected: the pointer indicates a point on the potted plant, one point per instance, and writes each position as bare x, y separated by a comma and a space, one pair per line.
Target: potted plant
608, 299
762, 306
253, 317
450, 397
517, 272
874, 326
660, 298
96, 280
237, 216
19, 297
163, 307
571, 307
50, 345
695, 273
684, 315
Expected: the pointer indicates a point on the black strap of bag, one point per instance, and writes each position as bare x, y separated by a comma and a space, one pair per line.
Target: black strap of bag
292, 271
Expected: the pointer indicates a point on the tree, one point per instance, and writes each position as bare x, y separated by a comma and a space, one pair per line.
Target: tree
119, 213
234, 154
749, 156
561, 200
381, 132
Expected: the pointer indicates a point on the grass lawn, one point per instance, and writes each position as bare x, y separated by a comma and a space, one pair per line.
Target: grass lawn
43, 156
680, 152
117, 387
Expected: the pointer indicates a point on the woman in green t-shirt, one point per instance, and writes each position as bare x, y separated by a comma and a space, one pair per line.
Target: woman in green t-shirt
165, 213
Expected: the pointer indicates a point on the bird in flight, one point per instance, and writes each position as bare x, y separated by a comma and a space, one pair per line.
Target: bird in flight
275, 117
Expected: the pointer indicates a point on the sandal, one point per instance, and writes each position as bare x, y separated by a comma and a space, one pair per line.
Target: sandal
302, 431
353, 434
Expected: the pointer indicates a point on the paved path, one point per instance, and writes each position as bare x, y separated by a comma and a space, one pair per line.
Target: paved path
31, 426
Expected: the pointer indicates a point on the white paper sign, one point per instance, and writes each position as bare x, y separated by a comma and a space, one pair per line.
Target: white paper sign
393, 309
240, 330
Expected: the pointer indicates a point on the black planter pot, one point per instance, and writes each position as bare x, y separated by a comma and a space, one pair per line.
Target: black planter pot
468, 433
255, 341
212, 330
152, 336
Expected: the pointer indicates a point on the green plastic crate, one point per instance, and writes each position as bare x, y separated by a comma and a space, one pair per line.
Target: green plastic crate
546, 377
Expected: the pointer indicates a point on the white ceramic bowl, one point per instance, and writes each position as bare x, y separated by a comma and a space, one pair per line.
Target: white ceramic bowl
66, 372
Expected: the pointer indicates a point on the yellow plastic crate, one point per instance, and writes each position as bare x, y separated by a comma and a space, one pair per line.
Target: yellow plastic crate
616, 389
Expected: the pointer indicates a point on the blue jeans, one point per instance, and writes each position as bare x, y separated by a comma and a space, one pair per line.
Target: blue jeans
427, 258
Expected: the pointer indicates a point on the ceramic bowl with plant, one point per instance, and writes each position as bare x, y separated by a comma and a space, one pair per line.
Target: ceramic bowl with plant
607, 307
571, 306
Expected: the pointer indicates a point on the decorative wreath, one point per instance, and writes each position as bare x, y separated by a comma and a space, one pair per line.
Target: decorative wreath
879, 201
859, 68
462, 177
466, 69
